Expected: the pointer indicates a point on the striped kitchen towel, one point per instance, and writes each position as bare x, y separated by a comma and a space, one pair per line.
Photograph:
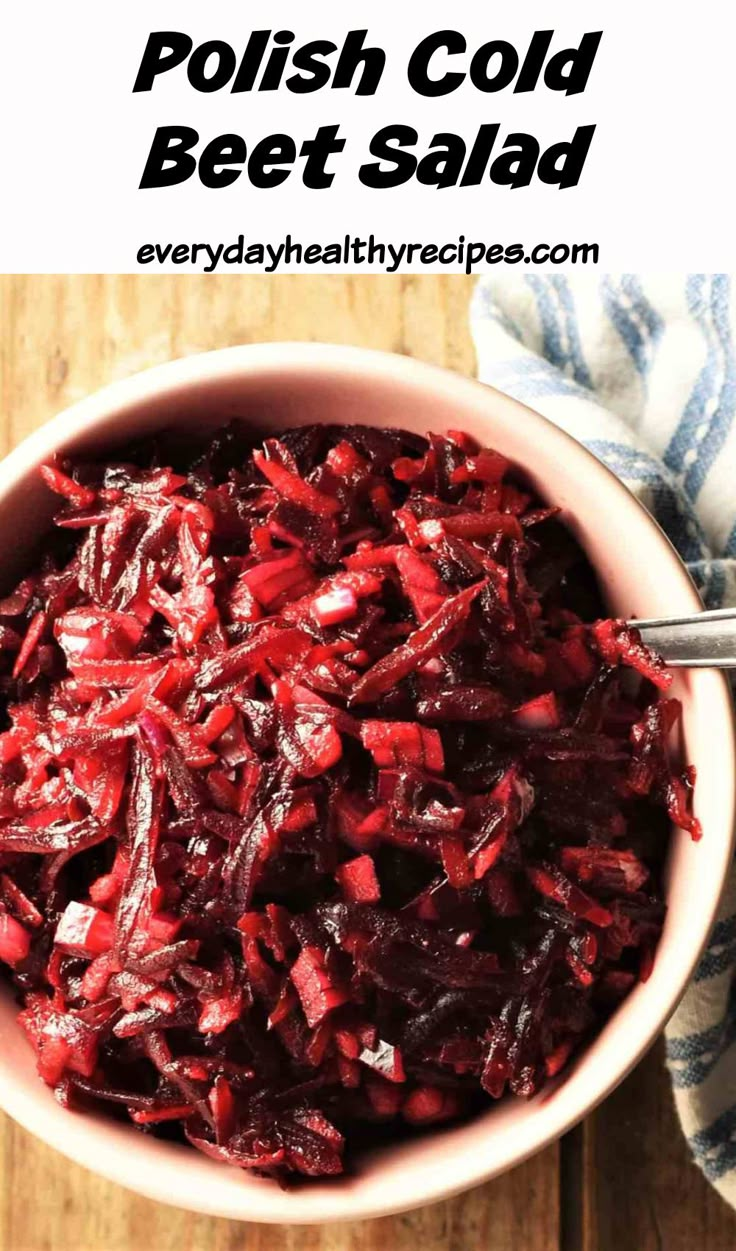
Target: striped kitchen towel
642, 370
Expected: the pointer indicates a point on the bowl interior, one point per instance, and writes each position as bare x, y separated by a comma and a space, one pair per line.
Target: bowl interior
283, 385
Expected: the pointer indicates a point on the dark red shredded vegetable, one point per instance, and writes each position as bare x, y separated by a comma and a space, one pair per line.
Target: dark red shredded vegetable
321, 807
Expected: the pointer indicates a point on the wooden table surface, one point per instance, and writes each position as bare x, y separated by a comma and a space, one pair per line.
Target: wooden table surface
620, 1182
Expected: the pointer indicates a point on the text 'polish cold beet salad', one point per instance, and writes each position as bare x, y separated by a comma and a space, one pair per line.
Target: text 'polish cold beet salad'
321, 809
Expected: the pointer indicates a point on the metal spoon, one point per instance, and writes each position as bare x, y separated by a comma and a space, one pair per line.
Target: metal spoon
705, 639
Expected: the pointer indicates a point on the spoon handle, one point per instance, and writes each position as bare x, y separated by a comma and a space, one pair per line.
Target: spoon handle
705, 639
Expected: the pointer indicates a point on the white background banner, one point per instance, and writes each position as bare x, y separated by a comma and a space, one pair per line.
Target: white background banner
655, 192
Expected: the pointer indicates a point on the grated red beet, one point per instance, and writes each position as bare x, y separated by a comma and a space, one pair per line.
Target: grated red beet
321, 807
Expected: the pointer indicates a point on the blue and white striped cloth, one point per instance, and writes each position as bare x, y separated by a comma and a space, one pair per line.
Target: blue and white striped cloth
642, 370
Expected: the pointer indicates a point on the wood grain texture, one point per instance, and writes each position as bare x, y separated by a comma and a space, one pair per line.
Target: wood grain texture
640, 1189
623, 1180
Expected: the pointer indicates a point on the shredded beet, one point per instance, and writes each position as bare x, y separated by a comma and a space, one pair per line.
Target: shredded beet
321, 806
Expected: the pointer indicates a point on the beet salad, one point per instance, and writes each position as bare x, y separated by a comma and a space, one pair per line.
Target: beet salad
331, 804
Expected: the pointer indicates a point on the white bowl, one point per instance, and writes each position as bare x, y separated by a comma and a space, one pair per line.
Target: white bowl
278, 385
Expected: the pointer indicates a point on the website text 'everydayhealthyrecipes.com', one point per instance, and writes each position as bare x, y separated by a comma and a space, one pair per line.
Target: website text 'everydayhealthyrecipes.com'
354, 251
